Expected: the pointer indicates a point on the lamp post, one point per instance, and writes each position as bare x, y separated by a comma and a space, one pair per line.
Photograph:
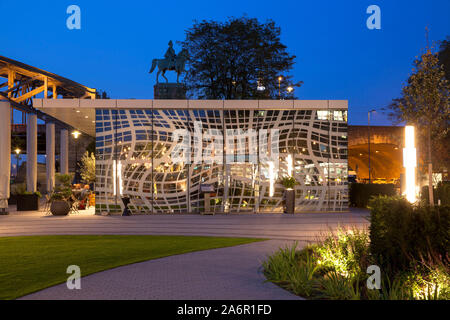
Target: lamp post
76, 134
290, 89
17, 151
279, 86
368, 130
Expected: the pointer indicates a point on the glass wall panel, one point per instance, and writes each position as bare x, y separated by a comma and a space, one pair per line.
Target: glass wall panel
242, 154
241, 162
206, 128
170, 180
311, 159
275, 131
106, 200
338, 168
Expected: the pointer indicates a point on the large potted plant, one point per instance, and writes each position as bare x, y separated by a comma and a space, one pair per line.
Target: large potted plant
60, 199
289, 183
27, 201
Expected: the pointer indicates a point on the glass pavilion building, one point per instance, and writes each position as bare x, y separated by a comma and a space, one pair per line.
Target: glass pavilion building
239, 149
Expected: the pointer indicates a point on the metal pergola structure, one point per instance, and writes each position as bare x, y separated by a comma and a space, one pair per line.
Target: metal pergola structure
23, 82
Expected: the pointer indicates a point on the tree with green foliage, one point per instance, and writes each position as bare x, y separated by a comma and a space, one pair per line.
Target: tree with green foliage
88, 167
425, 104
240, 58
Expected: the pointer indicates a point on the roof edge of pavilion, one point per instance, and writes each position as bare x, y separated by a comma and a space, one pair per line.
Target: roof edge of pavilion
189, 104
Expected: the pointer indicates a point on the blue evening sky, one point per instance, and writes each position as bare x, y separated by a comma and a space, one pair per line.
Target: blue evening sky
337, 56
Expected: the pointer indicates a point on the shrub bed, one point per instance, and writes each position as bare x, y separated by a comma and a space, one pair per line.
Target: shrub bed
409, 244
401, 233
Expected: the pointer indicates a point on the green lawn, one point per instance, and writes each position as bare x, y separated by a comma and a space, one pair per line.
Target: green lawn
29, 264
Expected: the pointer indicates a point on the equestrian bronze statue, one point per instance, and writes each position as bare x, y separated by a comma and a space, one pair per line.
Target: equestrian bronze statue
171, 62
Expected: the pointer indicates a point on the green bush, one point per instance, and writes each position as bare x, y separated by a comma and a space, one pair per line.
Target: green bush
346, 252
287, 269
360, 193
401, 234
288, 182
336, 269
337, 287
18, 188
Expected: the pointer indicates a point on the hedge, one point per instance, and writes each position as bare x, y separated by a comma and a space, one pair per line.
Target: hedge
401, 233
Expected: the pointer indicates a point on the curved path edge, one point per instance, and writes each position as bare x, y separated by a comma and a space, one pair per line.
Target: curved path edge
231, 273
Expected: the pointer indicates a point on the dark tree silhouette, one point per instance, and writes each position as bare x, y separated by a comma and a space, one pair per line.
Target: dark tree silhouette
240, 58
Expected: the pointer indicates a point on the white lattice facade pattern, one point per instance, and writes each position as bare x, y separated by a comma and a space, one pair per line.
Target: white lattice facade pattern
134, 148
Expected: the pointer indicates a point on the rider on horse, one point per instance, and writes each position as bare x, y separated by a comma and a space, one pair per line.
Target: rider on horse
171, 62
170, 55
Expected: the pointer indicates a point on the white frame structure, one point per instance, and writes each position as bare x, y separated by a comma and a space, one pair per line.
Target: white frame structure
134, 146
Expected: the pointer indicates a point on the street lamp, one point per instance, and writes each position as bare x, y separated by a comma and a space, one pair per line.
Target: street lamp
76, 134
290, 89
368, 129
280, 78
17, 151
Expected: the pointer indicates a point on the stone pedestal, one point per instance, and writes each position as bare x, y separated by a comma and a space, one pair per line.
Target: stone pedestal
174, 91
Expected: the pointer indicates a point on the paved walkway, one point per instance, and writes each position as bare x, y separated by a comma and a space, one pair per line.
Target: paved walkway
307, 226
218, 274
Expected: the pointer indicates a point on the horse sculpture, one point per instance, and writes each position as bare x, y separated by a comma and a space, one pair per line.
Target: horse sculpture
164, 65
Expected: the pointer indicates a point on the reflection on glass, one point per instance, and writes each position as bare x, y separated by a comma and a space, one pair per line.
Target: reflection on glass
311, 145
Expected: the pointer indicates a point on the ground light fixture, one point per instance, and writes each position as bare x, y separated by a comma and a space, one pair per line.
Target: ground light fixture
410, 163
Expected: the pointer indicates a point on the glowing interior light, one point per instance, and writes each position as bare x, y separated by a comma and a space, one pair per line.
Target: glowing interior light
271, 179
117, 174
289, 165
410, 163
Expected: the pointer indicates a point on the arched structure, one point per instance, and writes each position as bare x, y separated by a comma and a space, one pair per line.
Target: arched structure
386, 143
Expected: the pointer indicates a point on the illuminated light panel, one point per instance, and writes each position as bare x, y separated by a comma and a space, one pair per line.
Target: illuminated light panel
289, 164
117, 174
271, 178
410, 163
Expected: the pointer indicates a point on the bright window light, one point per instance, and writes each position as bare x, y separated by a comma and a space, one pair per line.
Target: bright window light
271, 178
117, 177
289, 165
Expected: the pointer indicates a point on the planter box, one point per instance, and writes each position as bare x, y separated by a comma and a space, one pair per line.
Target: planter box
27, 202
